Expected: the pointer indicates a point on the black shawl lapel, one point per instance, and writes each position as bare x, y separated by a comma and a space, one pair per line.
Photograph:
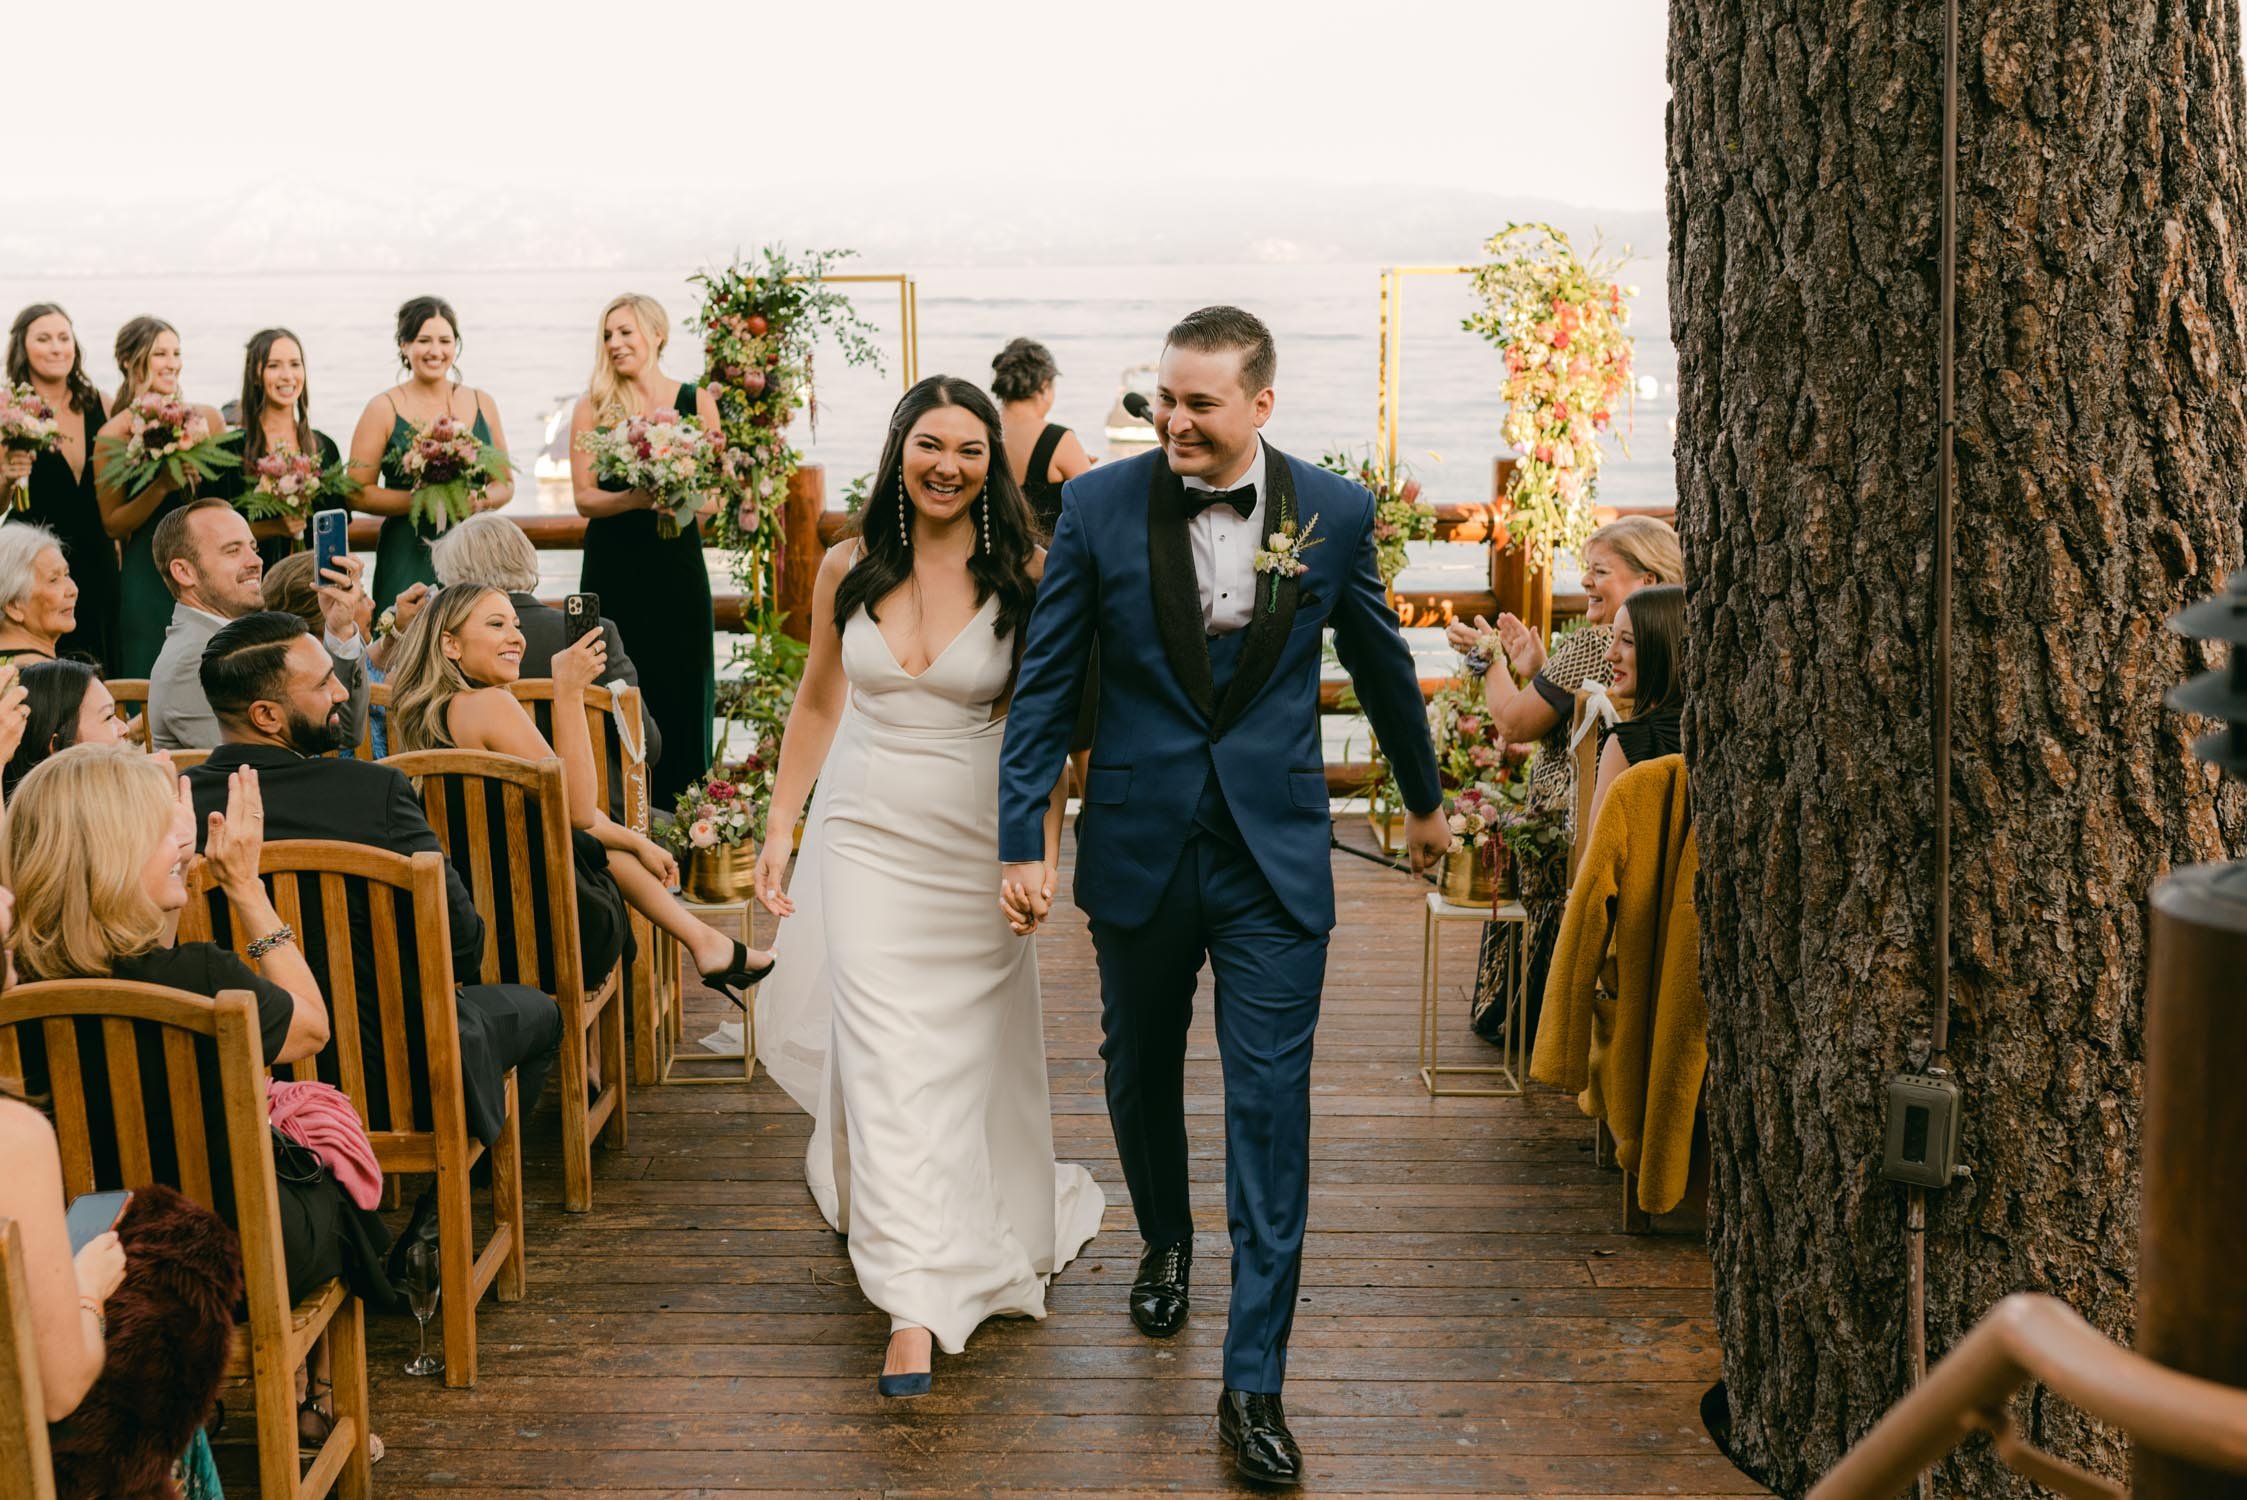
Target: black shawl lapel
1178, 595
1268, 627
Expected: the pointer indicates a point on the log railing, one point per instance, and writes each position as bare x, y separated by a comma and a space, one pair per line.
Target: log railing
810, 528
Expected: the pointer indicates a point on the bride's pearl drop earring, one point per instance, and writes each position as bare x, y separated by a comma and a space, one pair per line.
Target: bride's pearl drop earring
904, 507
986, 520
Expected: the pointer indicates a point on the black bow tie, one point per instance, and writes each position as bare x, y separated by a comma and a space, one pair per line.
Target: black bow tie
1242, 500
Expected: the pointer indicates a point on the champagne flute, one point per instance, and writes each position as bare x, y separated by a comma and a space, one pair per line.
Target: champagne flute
422, 1287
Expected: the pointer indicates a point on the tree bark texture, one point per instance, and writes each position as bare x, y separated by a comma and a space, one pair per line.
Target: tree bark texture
2102, 457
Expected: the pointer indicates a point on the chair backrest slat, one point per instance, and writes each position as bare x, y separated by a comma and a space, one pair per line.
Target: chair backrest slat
72, 1132
183, 1076
26, 1462
390, 985
522, 879
477, 811
343, 988
122, 1051
290, 909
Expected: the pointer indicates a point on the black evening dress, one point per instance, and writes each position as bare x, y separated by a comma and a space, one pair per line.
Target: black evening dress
657, 591
64, 503
1044, 494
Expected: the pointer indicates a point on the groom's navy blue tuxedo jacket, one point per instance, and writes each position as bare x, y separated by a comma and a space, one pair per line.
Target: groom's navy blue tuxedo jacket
1120, 571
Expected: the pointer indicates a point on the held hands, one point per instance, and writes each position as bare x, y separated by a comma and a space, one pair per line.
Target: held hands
1427, 838
772, 870
340, 598
1026, 894
581, 665
236, 837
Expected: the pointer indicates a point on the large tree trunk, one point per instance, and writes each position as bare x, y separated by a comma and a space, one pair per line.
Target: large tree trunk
2102, 449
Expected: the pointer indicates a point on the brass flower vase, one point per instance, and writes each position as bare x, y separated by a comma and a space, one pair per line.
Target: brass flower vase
1468, 878
720, 875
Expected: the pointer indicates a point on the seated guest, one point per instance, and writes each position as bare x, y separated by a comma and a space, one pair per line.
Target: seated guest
289, 588
447, 693
205, 552
67, 1291
279, 705
492, 552
66, 704
1646, 664
38, 601
109, 820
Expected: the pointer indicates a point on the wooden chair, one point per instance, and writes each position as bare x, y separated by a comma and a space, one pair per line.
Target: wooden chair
121, 1033
27, 1470
184, 760
131, 695
620, 769
378, 696
505, 824
1586, 755
412, 1104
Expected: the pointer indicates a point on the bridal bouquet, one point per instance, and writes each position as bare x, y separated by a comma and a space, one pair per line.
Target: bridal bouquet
289, 486
170, 440
449, 467
27, 425
668, 457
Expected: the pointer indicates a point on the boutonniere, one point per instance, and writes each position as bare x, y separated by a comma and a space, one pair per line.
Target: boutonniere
1281, 556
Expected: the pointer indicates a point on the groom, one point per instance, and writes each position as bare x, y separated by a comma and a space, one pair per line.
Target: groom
1206, 827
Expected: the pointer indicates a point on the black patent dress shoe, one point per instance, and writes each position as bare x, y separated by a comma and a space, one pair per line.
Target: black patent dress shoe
1158, 1292
1254, 1426
420, 1225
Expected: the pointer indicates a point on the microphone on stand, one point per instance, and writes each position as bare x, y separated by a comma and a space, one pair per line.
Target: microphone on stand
1136, 404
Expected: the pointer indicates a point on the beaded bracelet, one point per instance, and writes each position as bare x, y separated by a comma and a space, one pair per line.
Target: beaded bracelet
1478, 663
272, 940
101, 1322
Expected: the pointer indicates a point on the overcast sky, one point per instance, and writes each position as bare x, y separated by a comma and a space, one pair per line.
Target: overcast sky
1056, 100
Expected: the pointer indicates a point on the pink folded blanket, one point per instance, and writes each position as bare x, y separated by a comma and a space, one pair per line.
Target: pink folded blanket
318, 1117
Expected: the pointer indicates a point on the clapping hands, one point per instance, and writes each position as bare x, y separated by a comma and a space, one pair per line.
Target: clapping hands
15, 711
234, 839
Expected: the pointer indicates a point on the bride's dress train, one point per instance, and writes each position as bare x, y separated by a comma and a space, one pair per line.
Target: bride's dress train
906, 1018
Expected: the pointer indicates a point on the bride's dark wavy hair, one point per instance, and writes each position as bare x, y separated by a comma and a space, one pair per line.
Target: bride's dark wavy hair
1002, 568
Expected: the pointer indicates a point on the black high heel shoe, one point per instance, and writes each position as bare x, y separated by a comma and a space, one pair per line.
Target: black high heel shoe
912, 1383
738, 976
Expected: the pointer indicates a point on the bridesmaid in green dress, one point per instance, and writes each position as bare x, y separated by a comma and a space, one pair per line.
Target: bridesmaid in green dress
656, 588
428, 346
148, 353
276, 413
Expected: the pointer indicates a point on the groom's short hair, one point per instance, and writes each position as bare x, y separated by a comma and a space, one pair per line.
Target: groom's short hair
1215, 328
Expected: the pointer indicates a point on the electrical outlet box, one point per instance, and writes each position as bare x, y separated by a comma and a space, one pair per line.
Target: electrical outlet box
1923, 1127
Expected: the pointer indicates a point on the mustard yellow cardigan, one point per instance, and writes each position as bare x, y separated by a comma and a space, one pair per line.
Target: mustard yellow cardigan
1623, 1025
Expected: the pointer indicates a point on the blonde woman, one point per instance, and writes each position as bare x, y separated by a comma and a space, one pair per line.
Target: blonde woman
656, 588
448, 692
1620, 558
429, 341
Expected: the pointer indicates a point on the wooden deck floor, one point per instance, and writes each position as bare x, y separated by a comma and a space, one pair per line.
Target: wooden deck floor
1472, 1322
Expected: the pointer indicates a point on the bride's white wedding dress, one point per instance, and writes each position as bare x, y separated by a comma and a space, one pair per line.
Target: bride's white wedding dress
906, 1017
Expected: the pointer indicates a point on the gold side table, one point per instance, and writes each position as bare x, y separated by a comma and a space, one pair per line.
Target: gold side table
744, 913
1513, 1053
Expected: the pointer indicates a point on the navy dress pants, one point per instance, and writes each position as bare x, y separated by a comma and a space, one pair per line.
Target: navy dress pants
1269, 970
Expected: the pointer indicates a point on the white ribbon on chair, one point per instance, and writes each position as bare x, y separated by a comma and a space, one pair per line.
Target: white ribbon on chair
1598, 709
627, 734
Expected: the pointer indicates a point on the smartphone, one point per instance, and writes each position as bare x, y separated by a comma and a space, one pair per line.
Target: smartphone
93, 1213
581, 617
331, 539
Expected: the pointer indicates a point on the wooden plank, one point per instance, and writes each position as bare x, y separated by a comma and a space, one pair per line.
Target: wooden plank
128, 1107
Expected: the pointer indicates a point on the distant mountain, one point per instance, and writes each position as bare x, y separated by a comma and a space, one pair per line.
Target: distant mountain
295, 228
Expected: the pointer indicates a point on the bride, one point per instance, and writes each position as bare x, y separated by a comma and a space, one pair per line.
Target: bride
907, 1018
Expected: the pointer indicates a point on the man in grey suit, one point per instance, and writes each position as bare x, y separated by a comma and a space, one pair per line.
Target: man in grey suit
207, 556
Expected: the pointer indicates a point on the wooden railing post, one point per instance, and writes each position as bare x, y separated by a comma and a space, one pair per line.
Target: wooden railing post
1525, 594
2192, 1217
802, 548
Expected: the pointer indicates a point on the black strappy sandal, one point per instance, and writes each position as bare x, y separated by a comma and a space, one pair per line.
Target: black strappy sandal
738, 976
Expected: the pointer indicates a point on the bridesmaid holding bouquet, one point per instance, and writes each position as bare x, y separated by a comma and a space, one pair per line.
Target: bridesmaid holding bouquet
655, 587
43, 353
277, 435
428, 349
150, 358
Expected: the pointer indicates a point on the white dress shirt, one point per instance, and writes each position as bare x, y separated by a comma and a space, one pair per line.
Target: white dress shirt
1225, 543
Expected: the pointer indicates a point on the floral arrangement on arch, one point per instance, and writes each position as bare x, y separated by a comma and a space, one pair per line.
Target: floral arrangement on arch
1399, 514
759, 320
1562, 324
